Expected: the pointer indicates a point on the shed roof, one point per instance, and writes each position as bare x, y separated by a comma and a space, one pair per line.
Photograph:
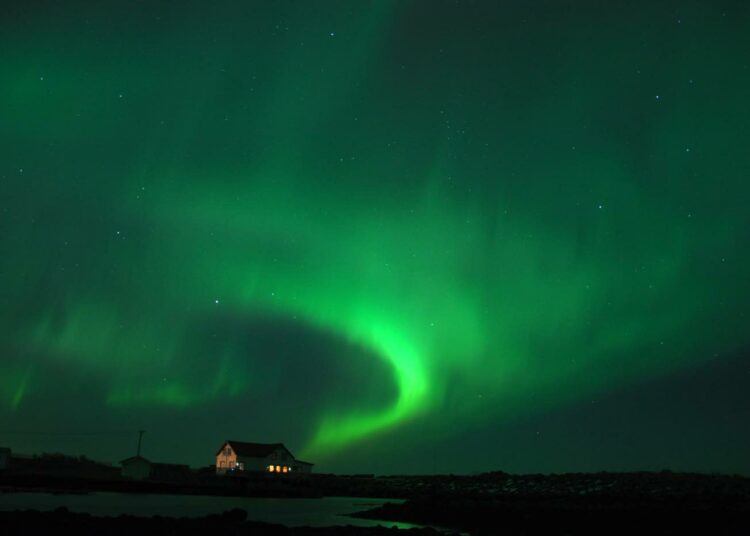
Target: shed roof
134, 459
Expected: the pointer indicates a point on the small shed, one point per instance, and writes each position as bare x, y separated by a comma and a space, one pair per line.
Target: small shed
136, 468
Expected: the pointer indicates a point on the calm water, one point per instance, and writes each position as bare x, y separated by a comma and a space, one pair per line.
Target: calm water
291, 512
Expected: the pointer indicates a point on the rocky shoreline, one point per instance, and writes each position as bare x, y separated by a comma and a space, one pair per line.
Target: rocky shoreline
581, 504
492, 484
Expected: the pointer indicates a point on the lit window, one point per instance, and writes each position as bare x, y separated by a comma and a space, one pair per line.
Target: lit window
278, 469
286, 469
270, 468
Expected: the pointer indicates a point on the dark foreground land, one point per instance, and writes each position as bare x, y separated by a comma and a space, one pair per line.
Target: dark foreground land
581, 504
233, 522
492, 503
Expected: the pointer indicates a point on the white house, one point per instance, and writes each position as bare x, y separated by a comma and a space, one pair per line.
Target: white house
268, 457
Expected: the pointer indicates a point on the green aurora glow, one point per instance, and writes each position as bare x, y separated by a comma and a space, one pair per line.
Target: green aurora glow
509, 207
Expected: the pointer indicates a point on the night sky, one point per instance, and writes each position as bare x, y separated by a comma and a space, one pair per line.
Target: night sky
408, 236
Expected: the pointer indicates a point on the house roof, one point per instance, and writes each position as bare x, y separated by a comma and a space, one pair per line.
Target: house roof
252, 450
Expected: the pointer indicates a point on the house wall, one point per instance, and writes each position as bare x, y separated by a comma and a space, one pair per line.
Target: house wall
4, 458
137, 470
254, 464
281, 458
224, 460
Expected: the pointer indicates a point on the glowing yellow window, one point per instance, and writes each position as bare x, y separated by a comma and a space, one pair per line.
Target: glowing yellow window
270, 468
286, 469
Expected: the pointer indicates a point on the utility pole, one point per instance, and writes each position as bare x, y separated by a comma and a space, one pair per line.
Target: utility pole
140, 438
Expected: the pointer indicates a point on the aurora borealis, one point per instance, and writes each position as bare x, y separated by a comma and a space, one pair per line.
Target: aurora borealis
381, 232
